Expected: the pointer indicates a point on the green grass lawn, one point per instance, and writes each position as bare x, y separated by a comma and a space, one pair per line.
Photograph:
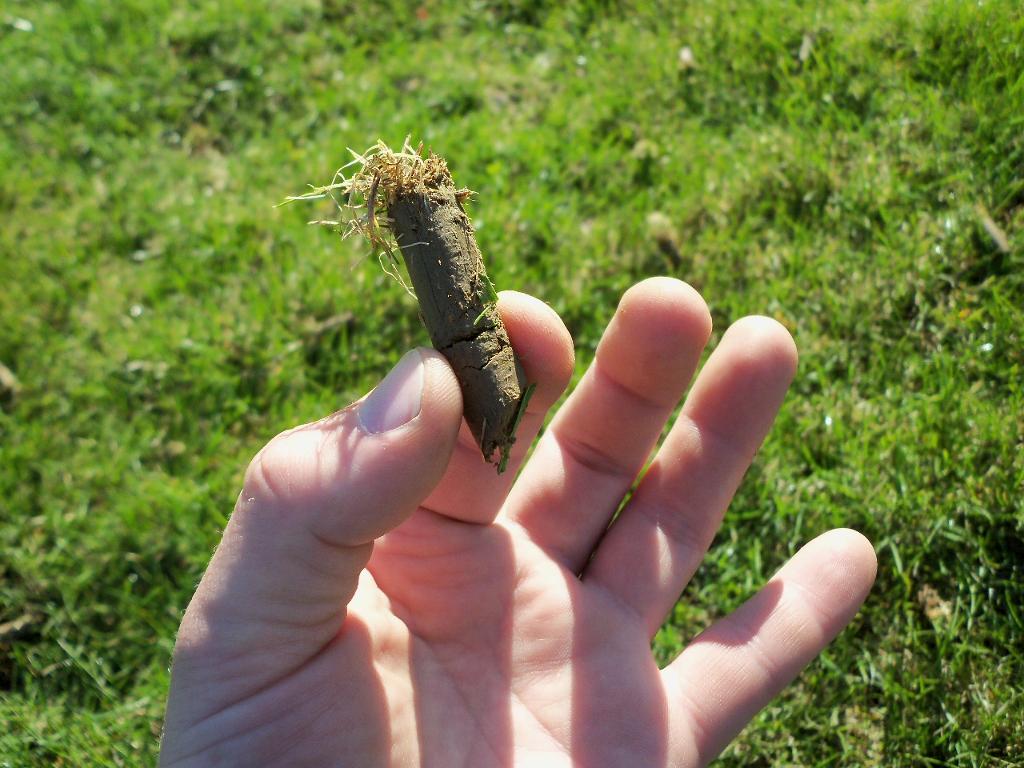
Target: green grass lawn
854, 169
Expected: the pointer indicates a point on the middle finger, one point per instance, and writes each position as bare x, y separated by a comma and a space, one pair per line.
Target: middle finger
598, 442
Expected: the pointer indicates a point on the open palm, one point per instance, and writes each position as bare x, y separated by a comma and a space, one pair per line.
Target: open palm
381, 597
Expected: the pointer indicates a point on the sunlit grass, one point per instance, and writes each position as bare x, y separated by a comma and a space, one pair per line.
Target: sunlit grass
840, 167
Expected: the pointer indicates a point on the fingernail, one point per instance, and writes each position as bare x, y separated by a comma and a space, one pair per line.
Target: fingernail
396, 400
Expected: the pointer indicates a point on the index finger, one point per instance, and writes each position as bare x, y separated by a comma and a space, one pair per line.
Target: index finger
471, 490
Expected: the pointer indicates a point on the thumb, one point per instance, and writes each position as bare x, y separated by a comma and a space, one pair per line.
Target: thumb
351, 477
313, 501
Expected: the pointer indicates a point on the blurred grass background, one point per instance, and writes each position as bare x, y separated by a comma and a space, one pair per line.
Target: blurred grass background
854, 169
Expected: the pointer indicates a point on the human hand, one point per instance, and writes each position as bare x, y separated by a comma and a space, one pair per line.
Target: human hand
382, 598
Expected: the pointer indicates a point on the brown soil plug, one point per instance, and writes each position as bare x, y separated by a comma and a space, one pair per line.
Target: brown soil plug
458, 303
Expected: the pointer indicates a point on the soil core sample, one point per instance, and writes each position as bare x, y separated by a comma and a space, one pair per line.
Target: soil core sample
413, 197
